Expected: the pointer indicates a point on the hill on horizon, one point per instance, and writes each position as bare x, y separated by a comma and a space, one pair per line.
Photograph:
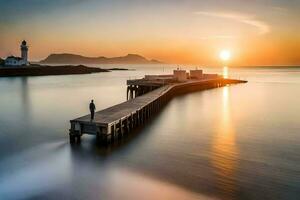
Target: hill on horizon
66, 58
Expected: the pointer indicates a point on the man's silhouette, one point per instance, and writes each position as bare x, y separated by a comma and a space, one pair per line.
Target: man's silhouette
92, 109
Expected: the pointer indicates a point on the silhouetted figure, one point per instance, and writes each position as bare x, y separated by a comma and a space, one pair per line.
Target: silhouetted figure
92, 109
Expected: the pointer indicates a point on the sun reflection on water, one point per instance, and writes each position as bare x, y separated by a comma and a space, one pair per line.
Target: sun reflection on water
224, 151
225, 72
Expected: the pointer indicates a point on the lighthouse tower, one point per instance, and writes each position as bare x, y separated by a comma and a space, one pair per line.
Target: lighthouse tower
24, 52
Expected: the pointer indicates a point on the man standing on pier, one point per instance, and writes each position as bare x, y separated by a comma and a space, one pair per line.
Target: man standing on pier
92, 109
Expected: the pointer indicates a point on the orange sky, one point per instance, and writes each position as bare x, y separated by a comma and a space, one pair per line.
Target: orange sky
189, 32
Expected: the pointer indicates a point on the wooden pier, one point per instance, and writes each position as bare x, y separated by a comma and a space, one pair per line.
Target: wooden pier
112, 123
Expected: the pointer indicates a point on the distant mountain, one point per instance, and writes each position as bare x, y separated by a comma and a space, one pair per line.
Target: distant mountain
65, 58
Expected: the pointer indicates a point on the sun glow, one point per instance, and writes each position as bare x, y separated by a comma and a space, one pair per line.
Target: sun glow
225, 152
225, 55
225, 72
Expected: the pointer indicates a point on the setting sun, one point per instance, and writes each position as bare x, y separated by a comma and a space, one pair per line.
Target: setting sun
225, 55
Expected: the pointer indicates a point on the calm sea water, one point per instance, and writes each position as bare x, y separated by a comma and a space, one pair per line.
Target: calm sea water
237, 142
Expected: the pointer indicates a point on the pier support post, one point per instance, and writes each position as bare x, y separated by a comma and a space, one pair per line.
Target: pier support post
131, 93
121, 129
138, 117
148, 112
74, 135
126, 124
144, 115
132, 120
113, 131
72, 138
127, 92
98, 137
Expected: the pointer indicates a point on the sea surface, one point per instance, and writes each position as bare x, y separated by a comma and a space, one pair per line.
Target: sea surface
236, 142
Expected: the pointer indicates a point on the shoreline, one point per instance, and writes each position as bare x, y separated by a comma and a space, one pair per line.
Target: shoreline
48, 70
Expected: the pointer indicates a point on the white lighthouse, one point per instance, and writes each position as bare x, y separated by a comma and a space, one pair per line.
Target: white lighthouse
19, 61
24, 52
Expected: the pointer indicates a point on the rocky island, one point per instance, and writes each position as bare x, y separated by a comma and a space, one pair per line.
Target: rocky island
44, 70
66, 58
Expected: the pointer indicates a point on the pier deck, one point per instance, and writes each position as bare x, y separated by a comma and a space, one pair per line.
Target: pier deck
115, 113
113, 122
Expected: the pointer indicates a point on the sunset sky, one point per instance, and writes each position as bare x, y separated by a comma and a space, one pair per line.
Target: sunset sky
257, 32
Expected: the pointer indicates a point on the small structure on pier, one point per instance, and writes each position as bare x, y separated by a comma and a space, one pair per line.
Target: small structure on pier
180, 75
196, 74
138, 87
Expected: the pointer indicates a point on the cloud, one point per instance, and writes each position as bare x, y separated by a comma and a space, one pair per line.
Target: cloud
218, 37
280, 9
262, 27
